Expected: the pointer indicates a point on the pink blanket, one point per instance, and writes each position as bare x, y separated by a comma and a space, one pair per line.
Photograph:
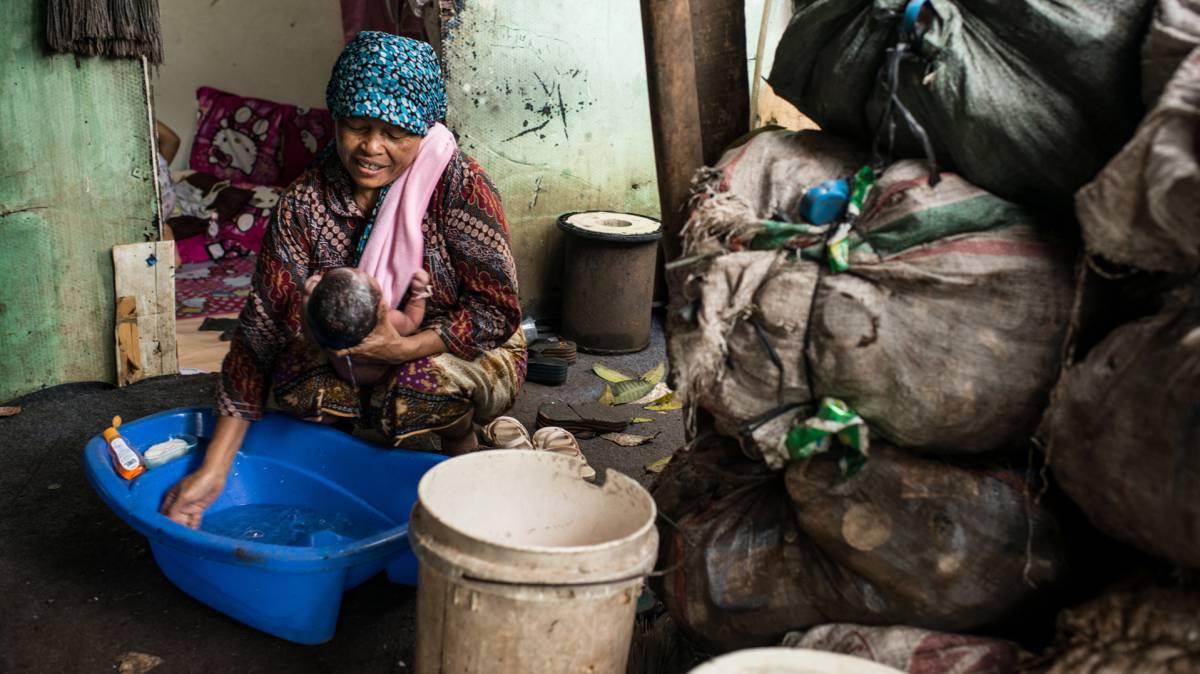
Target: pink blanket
395, 248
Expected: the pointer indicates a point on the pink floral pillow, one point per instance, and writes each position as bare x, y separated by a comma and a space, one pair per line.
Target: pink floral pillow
256, 141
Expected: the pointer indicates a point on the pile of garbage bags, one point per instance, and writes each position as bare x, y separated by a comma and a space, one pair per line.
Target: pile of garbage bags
907, 396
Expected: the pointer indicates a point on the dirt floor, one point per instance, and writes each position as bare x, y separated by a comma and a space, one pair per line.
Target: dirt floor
79, 589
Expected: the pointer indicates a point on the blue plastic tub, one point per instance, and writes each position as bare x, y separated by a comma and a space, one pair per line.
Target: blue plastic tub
359, 497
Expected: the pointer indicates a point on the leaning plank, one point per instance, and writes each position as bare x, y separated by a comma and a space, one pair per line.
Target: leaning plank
146, 273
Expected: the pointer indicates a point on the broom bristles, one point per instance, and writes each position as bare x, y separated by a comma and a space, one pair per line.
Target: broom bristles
113, 28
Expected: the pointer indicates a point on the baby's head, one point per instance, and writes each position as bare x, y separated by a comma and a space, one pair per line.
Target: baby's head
342, 308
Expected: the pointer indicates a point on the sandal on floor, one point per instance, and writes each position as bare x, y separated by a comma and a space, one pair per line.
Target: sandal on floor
560, 441
506, 433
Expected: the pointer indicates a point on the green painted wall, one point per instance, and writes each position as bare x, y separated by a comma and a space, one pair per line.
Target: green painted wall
75, 180
550, 97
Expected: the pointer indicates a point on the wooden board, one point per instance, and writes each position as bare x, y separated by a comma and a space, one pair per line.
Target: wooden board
145, 272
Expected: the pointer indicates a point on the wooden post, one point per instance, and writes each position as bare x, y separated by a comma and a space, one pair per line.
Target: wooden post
699, 94
722, 84
674, 109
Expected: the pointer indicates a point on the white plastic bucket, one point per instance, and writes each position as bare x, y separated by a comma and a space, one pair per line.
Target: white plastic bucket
527, 568
790, 661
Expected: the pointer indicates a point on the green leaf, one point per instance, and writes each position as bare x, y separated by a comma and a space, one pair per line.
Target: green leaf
629, 391
610, 375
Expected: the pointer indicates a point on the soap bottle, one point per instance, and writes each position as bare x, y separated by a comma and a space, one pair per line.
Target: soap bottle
126, 460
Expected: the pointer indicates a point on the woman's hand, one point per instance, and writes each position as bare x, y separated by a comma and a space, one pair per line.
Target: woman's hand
186, 502
383, 344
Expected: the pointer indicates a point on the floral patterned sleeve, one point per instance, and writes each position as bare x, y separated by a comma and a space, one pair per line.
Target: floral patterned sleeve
476, 236
271, 316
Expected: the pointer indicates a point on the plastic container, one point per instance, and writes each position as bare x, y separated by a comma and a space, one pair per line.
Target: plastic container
608, 280
826, 202
290, 591
125, 459
790, 661
527, 568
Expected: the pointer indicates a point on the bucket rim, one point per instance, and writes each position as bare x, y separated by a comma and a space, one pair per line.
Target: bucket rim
560, 550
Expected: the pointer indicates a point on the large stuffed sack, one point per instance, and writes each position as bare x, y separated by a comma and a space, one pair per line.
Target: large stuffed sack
904, 540
1123, 433
1138, 628
944, 334
913, 650
1026, 98
1143, 209
1174, 33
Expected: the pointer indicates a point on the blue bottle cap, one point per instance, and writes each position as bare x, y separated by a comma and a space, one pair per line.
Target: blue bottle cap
912, 14
826, 202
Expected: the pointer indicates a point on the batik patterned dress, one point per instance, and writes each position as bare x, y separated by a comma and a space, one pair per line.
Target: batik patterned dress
474, 309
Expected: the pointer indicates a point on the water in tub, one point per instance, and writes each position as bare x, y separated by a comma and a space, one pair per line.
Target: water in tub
284, 525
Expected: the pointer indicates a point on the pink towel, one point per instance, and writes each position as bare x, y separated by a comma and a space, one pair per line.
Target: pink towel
395, 249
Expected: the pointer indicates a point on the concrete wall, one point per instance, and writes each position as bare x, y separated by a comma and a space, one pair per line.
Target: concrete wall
550, 97
281, 50
75, 180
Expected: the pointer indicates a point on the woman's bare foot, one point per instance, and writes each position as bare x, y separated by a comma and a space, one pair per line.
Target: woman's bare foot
460, 438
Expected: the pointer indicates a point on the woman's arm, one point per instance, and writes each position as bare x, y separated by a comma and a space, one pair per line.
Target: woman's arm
186, 501
476, 236
270, 318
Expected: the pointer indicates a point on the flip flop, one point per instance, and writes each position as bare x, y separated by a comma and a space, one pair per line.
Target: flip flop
546, 370
555, 347
560, 441
580, 418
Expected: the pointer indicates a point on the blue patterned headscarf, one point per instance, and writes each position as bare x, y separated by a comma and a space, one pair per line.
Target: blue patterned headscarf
390, 78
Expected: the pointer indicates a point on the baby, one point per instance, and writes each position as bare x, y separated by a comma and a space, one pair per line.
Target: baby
343, 306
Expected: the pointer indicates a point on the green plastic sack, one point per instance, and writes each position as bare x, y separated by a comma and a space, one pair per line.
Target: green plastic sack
1025, 98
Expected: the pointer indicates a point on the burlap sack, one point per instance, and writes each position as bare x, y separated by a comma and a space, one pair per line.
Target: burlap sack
1139, 628
914, 650
1174, 33
1123, 433
1143, 209
944, 334
904, 541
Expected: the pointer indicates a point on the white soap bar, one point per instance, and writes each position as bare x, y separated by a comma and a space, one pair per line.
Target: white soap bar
167, 451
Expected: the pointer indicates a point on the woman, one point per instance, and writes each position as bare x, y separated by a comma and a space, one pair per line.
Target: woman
395, 161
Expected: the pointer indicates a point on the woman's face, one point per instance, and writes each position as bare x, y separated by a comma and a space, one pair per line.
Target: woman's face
374, 152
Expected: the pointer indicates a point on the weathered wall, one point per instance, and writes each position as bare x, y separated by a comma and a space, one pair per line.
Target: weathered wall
75, 180
550, 97
281, 50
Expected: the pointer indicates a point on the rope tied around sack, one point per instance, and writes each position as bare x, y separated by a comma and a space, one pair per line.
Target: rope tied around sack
906, 50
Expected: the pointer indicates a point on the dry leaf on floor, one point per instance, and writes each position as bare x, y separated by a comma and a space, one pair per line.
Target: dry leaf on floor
660, 391
641, 420
658, 466
606, 398
610, 375
137, 663
655, 374
666, 403
628, 439
10, 411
